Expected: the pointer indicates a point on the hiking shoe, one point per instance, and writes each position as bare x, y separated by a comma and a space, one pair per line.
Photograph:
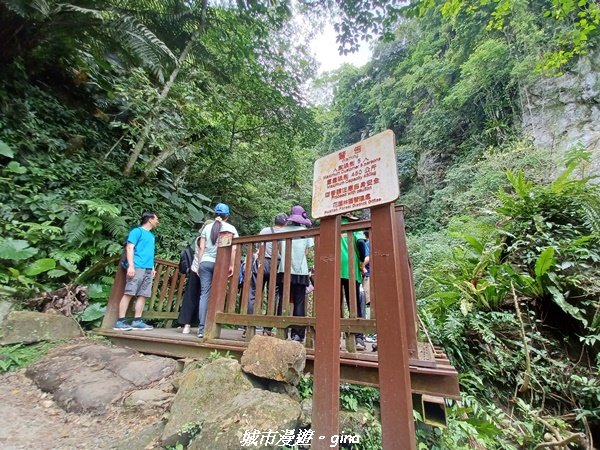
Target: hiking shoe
186, 329
201, 334
140, 325
360, 344
122, 325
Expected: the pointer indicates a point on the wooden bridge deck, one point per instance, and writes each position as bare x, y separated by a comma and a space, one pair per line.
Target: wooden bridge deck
432, 375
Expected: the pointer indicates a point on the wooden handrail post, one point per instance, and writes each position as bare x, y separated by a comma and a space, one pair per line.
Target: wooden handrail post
116, 293
325, 414
409, 300
398, 429
218, 291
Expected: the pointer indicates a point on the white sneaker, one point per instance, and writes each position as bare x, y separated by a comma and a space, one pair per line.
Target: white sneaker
186, 329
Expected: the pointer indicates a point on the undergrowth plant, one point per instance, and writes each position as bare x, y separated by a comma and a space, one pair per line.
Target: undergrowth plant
16, 356
516, 308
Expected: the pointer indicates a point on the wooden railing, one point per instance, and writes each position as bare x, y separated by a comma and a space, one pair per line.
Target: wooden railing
228, 303
164, 303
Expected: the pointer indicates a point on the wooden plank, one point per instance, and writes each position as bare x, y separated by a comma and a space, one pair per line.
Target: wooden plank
216, 302
260, 276
398, 430
284, 296
116, 293
409, 302
271, 304
325, 413
247, 281
180, 288
232, 293
346, 325
172, 292
257, 238
160, 315
152, 300
287, 277
160, 302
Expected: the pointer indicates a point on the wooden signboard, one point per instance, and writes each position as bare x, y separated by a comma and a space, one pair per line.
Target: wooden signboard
362, 175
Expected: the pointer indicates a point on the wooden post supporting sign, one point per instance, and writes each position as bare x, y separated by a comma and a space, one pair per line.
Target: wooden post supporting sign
363, 175
325, 417
398, 431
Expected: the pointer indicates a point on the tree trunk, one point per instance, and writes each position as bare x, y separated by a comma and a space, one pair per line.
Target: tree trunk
137, 150
158, 160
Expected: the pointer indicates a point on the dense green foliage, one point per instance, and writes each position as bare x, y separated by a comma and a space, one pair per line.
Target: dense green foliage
76, 107
174, 106
504, 250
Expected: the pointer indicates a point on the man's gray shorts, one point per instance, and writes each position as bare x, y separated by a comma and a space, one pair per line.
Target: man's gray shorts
140, 284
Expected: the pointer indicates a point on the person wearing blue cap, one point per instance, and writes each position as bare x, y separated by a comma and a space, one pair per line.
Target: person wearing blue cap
207, 254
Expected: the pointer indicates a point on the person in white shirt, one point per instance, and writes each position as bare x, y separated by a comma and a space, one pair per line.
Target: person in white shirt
207, 255
300, 277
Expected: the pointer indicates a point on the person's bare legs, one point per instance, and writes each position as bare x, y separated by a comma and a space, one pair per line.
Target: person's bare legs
139, 306
124, 304
138, 309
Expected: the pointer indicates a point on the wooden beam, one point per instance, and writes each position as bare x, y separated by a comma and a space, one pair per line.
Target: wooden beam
397, 423
326, 383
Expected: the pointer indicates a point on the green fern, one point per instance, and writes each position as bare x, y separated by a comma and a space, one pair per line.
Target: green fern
100, 207
117, 226
75, 228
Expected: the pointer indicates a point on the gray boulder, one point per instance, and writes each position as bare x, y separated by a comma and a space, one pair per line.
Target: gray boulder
89, 377
255, 409
202, 394
284, 388
76, 387
306, 407
145, 398
5, 307
29, 326
275, 359
145, 439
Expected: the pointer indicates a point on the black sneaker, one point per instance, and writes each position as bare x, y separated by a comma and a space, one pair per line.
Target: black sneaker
122, 325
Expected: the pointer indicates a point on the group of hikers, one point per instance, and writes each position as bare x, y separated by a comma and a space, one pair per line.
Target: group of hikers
139, 256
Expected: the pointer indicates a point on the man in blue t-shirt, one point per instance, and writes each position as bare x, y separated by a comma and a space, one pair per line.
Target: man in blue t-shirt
140, 272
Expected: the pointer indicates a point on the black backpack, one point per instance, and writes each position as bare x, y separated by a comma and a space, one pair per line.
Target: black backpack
187, 258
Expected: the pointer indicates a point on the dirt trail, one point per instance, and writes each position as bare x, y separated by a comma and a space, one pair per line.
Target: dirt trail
31, 420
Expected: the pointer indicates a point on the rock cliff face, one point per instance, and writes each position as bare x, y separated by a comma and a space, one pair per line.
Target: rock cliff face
563, 112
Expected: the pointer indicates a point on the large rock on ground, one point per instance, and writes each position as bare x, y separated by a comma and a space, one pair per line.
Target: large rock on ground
145, 439
140, 370
202, 394
148, 398
29, 326
5, 307
87, 377
255, 409
275, 359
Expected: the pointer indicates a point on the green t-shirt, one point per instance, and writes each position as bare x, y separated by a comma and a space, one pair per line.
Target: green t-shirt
344, 265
